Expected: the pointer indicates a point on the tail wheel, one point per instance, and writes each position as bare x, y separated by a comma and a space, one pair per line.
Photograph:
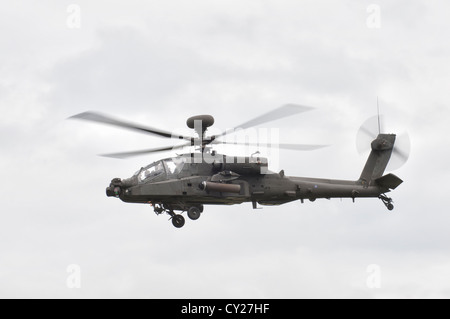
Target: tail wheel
194, 213
387, 201
178, 221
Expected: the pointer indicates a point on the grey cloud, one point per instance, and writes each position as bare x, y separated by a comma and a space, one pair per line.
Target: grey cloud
235, 62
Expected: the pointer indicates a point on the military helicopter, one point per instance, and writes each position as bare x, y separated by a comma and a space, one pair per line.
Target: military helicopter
187, 182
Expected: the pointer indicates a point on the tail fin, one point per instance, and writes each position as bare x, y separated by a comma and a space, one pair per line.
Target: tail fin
382, 148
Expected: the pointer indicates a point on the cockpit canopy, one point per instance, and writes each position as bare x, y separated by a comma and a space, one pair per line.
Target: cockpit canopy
187, 165
160, 170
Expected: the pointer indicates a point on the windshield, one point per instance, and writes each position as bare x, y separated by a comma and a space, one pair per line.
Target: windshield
174, 165
150, 172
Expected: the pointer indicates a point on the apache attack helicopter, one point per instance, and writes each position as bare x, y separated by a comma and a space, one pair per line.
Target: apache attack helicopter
187, 182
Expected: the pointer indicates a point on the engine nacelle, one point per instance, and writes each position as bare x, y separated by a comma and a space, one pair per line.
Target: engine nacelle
246, 165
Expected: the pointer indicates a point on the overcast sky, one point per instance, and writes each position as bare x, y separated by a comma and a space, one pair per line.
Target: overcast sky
159, 62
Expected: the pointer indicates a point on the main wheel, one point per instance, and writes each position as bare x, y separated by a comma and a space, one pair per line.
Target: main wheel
194, 213
178, 221
390, 206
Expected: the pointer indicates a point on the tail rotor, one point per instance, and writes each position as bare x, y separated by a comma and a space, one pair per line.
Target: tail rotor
369, 131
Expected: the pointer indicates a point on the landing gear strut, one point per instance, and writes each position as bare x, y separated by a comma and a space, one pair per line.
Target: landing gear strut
178, 221
387, 201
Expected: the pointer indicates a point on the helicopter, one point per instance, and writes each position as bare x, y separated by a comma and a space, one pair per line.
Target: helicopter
187, 182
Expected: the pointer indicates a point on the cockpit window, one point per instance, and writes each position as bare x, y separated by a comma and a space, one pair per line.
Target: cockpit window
174, 165
151, 172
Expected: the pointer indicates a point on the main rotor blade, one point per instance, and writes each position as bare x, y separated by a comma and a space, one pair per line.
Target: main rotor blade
101, 118
295, 147
281, 112
143, 152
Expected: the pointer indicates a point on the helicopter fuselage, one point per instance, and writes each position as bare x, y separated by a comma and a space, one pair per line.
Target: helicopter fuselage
187, 182
183, 182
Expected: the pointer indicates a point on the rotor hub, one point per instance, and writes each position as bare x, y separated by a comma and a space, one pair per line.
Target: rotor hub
383, 143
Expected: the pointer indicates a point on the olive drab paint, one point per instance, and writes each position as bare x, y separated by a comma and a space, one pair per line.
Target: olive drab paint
187, 182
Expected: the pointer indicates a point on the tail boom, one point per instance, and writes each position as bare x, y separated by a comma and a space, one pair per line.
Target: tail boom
371, 183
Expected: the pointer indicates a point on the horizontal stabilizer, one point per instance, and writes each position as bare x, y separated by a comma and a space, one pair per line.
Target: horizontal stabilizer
389, 181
